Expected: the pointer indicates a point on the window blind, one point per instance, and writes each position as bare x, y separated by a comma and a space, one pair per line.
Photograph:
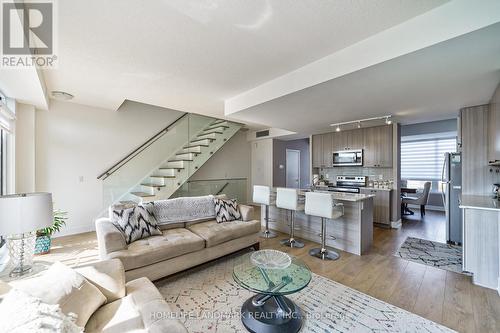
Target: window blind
423, 159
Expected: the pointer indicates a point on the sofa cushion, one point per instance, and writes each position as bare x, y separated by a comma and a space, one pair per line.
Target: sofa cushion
66, 287
108, 276
172, 243
142, 309
216, 233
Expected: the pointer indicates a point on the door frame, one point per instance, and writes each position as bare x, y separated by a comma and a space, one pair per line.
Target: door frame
286, 164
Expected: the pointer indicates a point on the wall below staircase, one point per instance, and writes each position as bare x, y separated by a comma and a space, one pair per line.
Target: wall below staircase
231, 161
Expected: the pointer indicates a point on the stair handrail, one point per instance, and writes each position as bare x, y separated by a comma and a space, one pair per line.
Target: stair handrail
222, 188
139, 149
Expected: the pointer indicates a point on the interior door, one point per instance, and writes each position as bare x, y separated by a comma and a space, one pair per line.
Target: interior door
292, 168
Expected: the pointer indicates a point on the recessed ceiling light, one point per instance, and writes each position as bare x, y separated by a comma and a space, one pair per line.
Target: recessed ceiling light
388, 121
61, 95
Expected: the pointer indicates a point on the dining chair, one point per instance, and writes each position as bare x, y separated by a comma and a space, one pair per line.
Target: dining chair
420, 200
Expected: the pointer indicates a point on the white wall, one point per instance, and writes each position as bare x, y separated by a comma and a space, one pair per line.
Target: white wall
75, 143
25, 148
262, 162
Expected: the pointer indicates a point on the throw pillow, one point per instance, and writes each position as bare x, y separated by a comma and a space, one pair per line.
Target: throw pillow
136, 222
64, 286
226, 210
20, 312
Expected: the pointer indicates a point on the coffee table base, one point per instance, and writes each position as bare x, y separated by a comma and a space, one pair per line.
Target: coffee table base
278, 314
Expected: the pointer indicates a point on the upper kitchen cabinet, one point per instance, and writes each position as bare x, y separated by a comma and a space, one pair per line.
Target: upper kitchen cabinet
348, 140
322, 150
494, 130
327, 150
377, 147
317, 151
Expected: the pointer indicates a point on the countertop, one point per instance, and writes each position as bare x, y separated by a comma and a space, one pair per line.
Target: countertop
353, 197
480, 202
366, 187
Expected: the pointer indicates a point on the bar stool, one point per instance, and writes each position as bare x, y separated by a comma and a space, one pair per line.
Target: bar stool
323, 205
288, 198
262, 195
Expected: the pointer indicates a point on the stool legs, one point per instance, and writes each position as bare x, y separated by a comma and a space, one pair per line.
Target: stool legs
292, 242
323, 253
267, 233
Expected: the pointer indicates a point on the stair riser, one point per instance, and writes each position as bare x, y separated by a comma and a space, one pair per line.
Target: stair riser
220, 125
187, 156
163, 172
207, 136
216, 128
200, 142
196, 150
177, 164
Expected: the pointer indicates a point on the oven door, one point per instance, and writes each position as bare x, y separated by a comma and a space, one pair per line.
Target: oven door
348, 157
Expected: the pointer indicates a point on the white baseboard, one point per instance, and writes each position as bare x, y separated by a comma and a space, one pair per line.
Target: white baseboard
74, 230
396, 225
428, 207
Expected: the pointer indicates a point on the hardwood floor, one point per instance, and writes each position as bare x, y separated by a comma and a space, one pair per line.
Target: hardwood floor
442, 296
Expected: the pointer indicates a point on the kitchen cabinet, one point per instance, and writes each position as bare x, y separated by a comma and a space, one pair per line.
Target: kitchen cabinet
327, 150
375, 141
381, 204
348, 140
494, 129
377, 146
317, 151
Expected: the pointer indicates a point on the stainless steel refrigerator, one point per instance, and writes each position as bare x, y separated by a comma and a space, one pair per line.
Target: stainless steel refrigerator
451, 182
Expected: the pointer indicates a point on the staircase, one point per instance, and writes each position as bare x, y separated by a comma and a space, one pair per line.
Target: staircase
205, 136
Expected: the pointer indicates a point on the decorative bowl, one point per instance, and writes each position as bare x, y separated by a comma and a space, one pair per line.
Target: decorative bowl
270, 259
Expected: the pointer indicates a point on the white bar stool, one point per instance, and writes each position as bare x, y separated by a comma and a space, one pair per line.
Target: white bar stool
262, 195
323, 205
288, 198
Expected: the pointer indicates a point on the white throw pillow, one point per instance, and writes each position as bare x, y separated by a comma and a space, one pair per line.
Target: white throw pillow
66, 287
21, 313
226, 210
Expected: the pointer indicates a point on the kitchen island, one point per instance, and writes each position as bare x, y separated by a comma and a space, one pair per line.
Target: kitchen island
352, 233
481, 238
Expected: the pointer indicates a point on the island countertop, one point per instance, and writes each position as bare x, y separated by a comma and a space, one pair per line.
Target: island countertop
352, 197
483, 202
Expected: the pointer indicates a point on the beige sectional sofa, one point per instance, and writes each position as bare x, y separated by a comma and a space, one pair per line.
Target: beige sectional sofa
181, 245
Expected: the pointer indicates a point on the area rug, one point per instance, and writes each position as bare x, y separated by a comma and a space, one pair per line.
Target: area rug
207, 299
440, 255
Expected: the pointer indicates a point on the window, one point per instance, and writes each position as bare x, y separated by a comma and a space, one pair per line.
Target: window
7, 119
422, 160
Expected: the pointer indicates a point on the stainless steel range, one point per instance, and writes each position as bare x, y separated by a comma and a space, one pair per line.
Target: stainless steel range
348, 184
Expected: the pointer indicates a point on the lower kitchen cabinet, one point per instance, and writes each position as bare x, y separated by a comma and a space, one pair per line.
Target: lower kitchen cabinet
381, 205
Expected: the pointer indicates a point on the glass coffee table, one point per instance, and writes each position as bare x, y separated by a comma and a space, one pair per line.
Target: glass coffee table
269, 310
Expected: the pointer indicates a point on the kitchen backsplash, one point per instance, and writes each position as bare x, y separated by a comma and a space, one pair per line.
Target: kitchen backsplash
372, 173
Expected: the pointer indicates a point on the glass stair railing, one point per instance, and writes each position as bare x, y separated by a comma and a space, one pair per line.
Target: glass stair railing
162, 165
233, 188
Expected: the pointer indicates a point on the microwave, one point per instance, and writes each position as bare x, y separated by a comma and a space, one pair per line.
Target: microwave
348, 157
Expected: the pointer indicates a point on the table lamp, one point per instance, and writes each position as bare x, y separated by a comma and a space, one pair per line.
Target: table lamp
21, 215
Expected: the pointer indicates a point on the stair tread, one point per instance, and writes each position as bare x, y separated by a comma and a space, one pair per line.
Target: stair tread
152, 185
185, 153
216, 126
197, 140
193, 146
210, 132
180, 160
156, 176
218, 121
142, 194
171, 168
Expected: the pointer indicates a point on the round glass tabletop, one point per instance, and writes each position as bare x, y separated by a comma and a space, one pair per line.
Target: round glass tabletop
271, 281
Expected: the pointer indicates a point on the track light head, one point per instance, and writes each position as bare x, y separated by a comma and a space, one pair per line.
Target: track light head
337, 129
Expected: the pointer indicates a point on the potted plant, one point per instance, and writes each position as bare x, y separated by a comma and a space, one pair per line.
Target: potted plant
43, 236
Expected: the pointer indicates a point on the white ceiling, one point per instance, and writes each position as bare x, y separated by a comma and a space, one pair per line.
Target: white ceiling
191, 55
429, 84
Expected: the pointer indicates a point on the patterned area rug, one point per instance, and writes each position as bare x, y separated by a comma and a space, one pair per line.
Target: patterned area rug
207, 299
431, 253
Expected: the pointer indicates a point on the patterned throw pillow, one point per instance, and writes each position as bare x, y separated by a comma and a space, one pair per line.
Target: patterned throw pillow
136, 222
226, 210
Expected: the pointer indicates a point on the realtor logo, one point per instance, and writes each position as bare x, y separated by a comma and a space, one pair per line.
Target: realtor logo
28, 34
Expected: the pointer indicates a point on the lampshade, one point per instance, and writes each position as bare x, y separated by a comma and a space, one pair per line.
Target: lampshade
21, 213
